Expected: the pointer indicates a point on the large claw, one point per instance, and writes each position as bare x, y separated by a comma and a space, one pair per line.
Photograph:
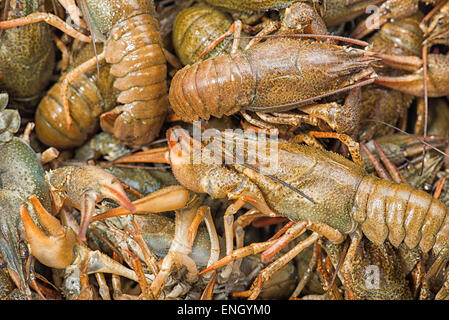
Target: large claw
86, 186
56, 246
114, 192
52, 247
166, 199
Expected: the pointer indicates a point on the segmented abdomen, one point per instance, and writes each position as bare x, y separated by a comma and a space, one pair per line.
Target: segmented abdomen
196, 27
89, 96
134, 49
402, 214
217, 86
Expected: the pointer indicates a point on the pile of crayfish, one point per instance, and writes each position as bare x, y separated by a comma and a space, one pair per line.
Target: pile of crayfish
214, 150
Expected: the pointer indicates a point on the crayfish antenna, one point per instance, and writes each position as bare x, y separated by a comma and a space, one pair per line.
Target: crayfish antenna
84, 9
54, 247
426, 98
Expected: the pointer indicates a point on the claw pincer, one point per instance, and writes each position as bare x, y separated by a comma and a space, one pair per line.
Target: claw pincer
83, 187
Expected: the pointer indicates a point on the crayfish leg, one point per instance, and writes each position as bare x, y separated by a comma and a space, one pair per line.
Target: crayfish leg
308, 273
390, 166
245, 197
117, 293
257, 125
295, 231
443, 294
235, 29
356, 238
390, 9
266, 273
406, 63
73, 75
307, 139
214, 241
380, 169
251, 249
353, 146
103, 288
267, 29
73, 11
149, 257
87, 212
239, 225
50, 19
438, 264
186, 225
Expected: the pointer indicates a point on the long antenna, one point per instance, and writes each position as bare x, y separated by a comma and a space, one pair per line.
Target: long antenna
242, 162
410, 135
313, 36
89, 25
279, 181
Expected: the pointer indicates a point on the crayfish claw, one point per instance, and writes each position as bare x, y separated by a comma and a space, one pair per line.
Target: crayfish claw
54, 247
157, 155
84, 186
113, 191
117, 194
49, 222
166, 199
87, 211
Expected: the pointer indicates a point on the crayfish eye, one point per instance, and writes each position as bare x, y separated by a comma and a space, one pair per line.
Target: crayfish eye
441, 20
2, 263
